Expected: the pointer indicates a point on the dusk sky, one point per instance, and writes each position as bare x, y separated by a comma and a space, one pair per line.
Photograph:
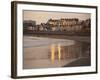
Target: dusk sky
43, 16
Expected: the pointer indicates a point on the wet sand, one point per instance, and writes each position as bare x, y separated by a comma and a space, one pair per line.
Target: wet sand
79, 62
37, 52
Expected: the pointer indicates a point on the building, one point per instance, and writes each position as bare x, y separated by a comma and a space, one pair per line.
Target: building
29, 25
64, 24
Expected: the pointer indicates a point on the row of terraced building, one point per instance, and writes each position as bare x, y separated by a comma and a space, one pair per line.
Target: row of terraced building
63, 24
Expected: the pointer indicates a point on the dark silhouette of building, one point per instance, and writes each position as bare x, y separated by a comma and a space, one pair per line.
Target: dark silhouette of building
29, 25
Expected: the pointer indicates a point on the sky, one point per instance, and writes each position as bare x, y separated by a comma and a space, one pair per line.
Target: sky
44, 16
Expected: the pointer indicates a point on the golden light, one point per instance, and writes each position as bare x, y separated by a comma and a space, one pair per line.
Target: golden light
59, 52
52, 53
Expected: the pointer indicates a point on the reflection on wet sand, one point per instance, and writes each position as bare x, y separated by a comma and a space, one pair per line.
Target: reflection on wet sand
53, 49
52, 53
42, 52
59, 52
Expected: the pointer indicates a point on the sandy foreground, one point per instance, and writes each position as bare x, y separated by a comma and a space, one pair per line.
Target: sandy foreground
37, 51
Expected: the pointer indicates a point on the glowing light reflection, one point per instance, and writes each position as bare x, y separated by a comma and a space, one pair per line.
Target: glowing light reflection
53, 52
59, 52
